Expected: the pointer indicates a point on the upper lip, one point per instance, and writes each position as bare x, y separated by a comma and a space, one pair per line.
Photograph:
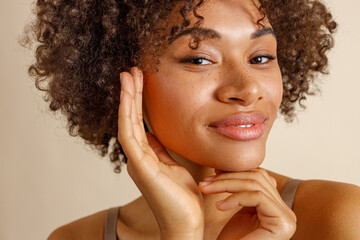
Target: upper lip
239, 119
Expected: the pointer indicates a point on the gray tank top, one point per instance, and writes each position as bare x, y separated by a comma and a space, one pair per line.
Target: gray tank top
287, 194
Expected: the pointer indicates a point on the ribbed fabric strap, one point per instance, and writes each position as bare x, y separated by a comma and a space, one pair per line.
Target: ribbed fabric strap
289, 191
110, 224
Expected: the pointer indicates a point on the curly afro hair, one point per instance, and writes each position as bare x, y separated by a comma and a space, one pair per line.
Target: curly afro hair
83, 45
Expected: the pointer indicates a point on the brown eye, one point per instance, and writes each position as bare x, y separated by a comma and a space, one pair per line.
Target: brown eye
196, 60
200, 61
261, 59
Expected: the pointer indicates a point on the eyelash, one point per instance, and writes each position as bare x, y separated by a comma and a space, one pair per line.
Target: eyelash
192, 58
269, 57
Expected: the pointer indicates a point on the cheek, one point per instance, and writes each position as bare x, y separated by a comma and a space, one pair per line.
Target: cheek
170, 105
274, 89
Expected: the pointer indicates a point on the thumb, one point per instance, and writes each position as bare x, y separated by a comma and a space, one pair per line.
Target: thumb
160, 150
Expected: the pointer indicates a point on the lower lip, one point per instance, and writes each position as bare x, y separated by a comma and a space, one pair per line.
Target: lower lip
242, 134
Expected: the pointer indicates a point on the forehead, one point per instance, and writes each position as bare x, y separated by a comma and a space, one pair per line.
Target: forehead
231, 19
230, 11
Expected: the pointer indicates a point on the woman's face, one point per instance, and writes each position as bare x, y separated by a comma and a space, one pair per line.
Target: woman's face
215, 105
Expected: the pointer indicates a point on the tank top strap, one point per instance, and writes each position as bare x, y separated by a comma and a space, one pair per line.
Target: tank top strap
289, 190
110, 224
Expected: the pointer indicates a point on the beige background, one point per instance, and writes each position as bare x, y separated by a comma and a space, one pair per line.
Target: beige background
48, 178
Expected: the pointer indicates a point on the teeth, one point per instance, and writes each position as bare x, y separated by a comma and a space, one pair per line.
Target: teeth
245, 126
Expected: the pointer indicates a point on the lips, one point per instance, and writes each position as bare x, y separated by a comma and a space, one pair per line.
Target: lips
243, 127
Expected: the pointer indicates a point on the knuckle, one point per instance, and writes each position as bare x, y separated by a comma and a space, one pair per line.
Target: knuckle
289, 227
257, 174
254, 184
258, 194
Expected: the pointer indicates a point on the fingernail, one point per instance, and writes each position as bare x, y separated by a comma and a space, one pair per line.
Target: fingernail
204, 183
220, 202
207, 179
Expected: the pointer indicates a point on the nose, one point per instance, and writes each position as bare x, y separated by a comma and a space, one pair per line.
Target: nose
240, 88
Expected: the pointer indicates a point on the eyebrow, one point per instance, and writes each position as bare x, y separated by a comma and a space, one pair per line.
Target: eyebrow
213, 34
263, 32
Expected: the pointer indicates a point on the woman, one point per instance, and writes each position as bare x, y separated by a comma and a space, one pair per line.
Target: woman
208, 80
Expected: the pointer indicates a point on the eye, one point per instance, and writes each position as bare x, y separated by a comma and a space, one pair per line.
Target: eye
261, 59
196, 60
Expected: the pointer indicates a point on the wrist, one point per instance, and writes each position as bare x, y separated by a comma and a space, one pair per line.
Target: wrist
181, 232
188, 235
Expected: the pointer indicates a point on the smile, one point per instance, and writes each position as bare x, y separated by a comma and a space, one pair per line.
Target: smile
242, 127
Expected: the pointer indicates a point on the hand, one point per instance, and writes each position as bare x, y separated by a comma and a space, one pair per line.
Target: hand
264, 214
169, 188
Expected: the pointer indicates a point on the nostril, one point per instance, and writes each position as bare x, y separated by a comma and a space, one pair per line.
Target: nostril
236, 99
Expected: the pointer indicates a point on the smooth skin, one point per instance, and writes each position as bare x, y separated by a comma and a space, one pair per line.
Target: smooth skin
196, 183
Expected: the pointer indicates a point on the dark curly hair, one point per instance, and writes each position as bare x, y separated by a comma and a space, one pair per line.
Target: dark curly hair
83, 45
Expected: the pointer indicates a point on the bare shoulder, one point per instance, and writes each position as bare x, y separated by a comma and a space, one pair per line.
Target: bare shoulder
135, 221
327, 210
89, 227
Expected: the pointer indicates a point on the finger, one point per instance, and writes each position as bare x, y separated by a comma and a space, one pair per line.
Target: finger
248, 175
258, 199
129, 86
126, 136
138, 83
232, 186
140, 156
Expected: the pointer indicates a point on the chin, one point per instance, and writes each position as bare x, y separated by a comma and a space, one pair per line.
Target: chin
237, 165
231, 159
